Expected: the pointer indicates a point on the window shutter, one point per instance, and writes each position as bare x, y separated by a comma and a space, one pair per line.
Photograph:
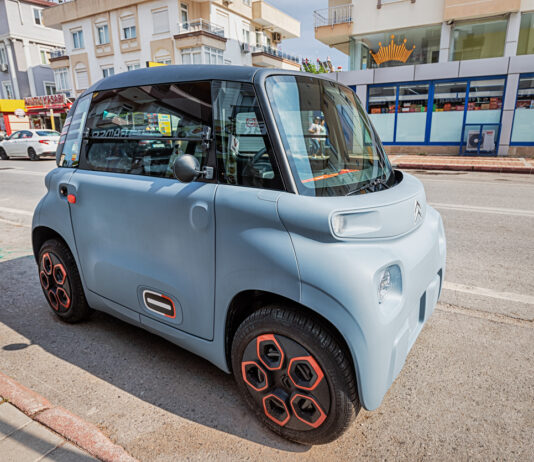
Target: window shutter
128, 21
160, 21
82, 79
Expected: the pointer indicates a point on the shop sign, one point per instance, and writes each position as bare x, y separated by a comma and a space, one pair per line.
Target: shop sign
393, 52
19, 112
46, 101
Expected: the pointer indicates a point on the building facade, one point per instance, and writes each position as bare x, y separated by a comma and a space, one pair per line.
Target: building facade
440, 76
104, 37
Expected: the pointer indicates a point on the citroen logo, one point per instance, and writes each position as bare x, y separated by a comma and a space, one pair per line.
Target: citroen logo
417, 212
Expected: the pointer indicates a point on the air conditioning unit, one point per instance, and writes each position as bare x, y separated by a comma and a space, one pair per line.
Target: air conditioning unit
486, 140
245, 48
3, 67
277, 37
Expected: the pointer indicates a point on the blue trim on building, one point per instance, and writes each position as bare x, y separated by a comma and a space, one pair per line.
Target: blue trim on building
519, 143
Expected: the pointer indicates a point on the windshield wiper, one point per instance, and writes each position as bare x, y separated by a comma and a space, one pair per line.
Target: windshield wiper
371, 186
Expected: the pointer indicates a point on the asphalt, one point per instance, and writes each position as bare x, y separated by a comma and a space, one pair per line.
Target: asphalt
465, 392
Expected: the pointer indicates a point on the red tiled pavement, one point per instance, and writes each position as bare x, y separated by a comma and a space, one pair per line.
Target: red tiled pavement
465, 163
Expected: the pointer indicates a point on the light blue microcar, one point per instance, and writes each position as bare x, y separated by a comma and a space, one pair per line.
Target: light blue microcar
252, 217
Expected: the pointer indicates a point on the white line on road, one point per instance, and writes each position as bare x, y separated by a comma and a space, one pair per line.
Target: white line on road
485, 183
494, 210
16, 211
14, 223
24, 172
510, 296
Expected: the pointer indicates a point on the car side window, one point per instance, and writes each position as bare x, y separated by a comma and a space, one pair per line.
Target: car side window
14, 136
244, 153
142, 130
70, 142
26, 134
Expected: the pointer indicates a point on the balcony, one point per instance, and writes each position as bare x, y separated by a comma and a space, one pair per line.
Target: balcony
275, 20
334, 25
200, 32
58, 58
60, 53
264, 56
200, 25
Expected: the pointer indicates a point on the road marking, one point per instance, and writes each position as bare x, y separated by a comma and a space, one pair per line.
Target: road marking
14, 223
494, 210
24, 172
486, 183
509, 296
16, 211
495, 317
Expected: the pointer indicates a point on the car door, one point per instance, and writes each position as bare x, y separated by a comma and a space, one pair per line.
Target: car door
11, 144
145, 240
24, 142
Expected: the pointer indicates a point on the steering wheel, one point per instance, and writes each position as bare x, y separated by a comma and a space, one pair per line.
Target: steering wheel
254, 166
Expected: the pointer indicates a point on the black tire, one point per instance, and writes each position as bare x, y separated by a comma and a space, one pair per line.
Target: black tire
63, 290
334, 400
3, 154
32, 154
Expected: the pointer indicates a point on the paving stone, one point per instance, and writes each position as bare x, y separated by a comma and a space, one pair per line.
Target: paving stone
68, 453
11, 419
28, 444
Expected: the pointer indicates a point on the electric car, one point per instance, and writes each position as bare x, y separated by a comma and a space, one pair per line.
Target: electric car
250, 216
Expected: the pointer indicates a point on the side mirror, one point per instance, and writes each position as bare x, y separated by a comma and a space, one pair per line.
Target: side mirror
186, 168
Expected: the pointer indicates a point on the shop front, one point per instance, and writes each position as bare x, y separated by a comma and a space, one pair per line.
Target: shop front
13, 116
48, 111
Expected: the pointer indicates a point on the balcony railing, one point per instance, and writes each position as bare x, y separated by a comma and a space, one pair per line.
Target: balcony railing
200, 25
58, 53
274, 52
334, 15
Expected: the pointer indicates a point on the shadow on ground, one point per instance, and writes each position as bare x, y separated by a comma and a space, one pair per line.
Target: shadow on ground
140, 363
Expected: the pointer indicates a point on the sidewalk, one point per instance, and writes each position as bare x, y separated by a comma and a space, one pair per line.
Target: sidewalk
464, 163
24, 440
33, 429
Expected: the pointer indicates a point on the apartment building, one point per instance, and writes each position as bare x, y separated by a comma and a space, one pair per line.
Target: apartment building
440, 76
104, 37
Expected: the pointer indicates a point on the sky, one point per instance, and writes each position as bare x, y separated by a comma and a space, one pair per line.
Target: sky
306, 45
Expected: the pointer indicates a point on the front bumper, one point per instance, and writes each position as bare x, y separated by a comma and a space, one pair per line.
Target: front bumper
381, 336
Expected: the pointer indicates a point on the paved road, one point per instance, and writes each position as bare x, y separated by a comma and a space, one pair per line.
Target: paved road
466, 391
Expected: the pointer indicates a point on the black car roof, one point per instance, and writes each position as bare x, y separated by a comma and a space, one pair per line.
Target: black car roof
184, 73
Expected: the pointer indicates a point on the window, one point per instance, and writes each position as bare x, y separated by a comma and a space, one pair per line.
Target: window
246, 36
244, 153
128, 28
448, 112
247, 2
108, 71
82, 77
213, 56
142, 130
37, 18
525, 45
160, 21
133, 66
524, 112
184, 12
418, 45
8, 90
478, 39
50, 88
192, 55
61, 77
412, 113
3, 54
102, 34
382, 102
70, 141
77, 39
45, 56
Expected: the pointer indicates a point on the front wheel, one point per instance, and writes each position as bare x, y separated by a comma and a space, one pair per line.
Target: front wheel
3, 154
61, 282
32, 154
294, 375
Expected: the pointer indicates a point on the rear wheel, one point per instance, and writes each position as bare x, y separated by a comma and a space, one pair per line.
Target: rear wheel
32, 154
3, 154
294, 375
61, 282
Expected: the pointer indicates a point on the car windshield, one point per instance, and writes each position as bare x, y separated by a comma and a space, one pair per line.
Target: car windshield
47, 133
331, 146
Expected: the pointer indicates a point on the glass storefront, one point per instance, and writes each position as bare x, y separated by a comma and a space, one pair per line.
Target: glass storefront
478, 39
419, 45
525, 45
523, 128
435, 112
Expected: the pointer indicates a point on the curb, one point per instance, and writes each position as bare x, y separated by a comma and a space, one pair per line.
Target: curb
465, 168
67, 425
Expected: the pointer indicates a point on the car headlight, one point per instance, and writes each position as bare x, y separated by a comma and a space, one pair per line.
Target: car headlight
389, 283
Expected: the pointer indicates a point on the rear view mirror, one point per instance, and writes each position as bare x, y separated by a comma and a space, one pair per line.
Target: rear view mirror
186, 168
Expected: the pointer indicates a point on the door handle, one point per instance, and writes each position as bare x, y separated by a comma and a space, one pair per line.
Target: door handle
64, 191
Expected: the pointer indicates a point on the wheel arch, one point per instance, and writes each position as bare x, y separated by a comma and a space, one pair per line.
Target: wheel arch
40, 235
248, 301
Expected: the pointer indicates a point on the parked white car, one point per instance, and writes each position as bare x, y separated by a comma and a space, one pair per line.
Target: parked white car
29, 143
